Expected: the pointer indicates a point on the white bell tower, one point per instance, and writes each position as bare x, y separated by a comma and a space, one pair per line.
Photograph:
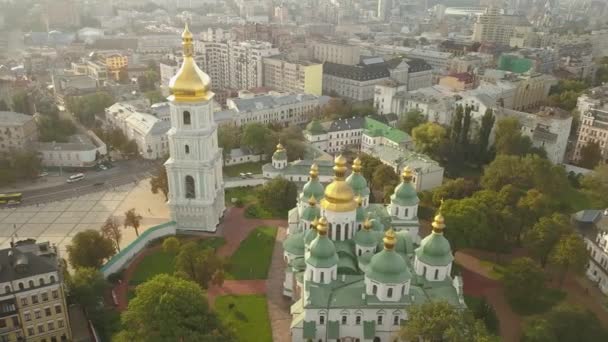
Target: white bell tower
194, 169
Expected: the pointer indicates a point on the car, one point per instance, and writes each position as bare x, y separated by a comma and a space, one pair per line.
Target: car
43, 174
243, 175
99, 183
75, 178
102, 167
249, 175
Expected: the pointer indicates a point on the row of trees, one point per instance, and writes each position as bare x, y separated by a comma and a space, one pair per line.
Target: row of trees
19, 166
84, 108
117, 140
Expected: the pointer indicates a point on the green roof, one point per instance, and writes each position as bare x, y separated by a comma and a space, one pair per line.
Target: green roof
310, 330
279, 155
405, 195
315, 128
366, 238
294, 244
313, 188
435, 250
404, 244
388, 267
360, 214
369, 329
333, 330
358, 183
322, 253
309, 236
310, 213
376, 128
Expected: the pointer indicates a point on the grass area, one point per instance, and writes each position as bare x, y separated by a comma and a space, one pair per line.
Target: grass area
161, 262
549, 298
236, 170
578, 200
247, 316
252, 259
244, 194
495, 270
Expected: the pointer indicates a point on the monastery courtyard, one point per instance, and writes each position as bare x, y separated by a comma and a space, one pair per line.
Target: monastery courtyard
57, 222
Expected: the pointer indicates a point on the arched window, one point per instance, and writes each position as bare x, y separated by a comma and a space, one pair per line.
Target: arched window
322, 277
31, 283
406, 211
389, 292
21, 287
7, 289
41, 281
190, 192
436, 273
338, 235
346, 231
359, 252
374, 289
52, 279
187, 119
187, 149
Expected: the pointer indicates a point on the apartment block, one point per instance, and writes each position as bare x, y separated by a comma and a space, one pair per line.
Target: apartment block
335, 52
17, 131
295, 76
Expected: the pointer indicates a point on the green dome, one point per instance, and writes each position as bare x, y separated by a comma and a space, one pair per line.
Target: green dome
309, 236
322, 253
310, 213
404, 244
388, 267
294, 244
279, 155
366, 238
405, 195
313, 188
435, 250
358, 183
298, 264
364, 260
315, 128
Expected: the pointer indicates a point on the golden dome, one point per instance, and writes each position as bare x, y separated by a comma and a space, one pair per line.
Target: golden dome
314, 171
439, 222
359, 200
357, 165
389, 239
407, 174
339, 196
312, 201
280, 147
190, 84
315, 223
322, 226
367, 225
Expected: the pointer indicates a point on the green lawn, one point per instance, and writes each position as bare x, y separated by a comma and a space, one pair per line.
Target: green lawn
252, 259
247, 316
161, 262
495, 270
246, 194
578, 200
236, 170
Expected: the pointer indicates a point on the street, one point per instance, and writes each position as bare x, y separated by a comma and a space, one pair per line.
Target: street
123, 172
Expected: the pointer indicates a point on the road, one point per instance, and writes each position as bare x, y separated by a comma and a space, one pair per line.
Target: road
122, 173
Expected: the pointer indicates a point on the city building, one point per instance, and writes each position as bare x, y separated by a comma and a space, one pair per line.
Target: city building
32, 299
17, 132
458, 82
593, 128
497, 28
354, 267
593, 226
241, 156
384, 9
147, 130
81, 150
194, 168
115, 63
236, 65
355, 82
335, 52
272, 107
61, 14
295, 76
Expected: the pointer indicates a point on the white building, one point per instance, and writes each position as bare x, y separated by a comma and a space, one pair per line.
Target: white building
80, 151
354, 268
148, 131
355, 82
593, 226
273, 107
236, 65
194, 168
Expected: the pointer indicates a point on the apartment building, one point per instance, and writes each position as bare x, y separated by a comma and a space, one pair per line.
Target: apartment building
497, 28
593, 128
272, 107
148, 131
115, 62
296, 76
336, 52
32, 298
235, 65
17, 131
593, 226
355, 82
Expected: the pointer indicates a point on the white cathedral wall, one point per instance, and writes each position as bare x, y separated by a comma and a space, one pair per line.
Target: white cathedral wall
402, 212
343, 219
321, 275
432, 273
382, 290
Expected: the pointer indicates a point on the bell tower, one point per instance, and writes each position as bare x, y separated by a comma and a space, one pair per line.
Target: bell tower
194, 168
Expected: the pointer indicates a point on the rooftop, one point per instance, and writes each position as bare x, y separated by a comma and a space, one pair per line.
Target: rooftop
12, 118
22, 262
268, 101
76, 142
357, 72
376, 128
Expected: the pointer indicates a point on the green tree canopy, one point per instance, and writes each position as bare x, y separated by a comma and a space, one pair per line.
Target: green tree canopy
564, 323
369, 164
279, 194
428, 138
591, 155
441, 321
160, 182
454, 189
132, 219
509, 139
524, 282
256, 137
545, 234
168, 308
570, 255
411, 120
228, 138
84, 108
384, 175
202, 266
595, 185
86, 287
89, 249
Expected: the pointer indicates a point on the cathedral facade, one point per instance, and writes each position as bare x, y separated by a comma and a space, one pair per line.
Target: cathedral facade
354, 267
194, 168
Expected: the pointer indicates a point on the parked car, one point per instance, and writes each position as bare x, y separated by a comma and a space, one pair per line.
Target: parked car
249, 175
75, 178
243, 175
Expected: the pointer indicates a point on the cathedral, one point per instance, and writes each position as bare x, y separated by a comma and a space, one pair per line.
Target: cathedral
194, 168
353, 267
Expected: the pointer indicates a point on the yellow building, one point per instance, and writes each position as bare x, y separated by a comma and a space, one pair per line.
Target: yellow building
294, 76
115, 62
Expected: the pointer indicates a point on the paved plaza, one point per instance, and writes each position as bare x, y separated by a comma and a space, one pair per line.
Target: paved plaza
57, 222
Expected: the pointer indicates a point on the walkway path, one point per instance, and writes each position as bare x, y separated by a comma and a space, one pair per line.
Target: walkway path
278, 305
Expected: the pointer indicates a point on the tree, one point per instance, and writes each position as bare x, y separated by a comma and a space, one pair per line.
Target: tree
369, 164
111, 230
132, 219
595, 185
466, 126
159, 182
591, 155
441, 321
530, 208
199, 265
155, 96
55, 129
544, 236
384, 176
454, 189
87, 287
509, 139
457, 124
483, 138
228, 138
467, 223
171, 245
278, 194
336, 108
255, 137
565, 322
84, 108
167, 308
21, 103
3, 106
89, 249
428, 138
26, 164
524, 282
569, 255
411, 120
